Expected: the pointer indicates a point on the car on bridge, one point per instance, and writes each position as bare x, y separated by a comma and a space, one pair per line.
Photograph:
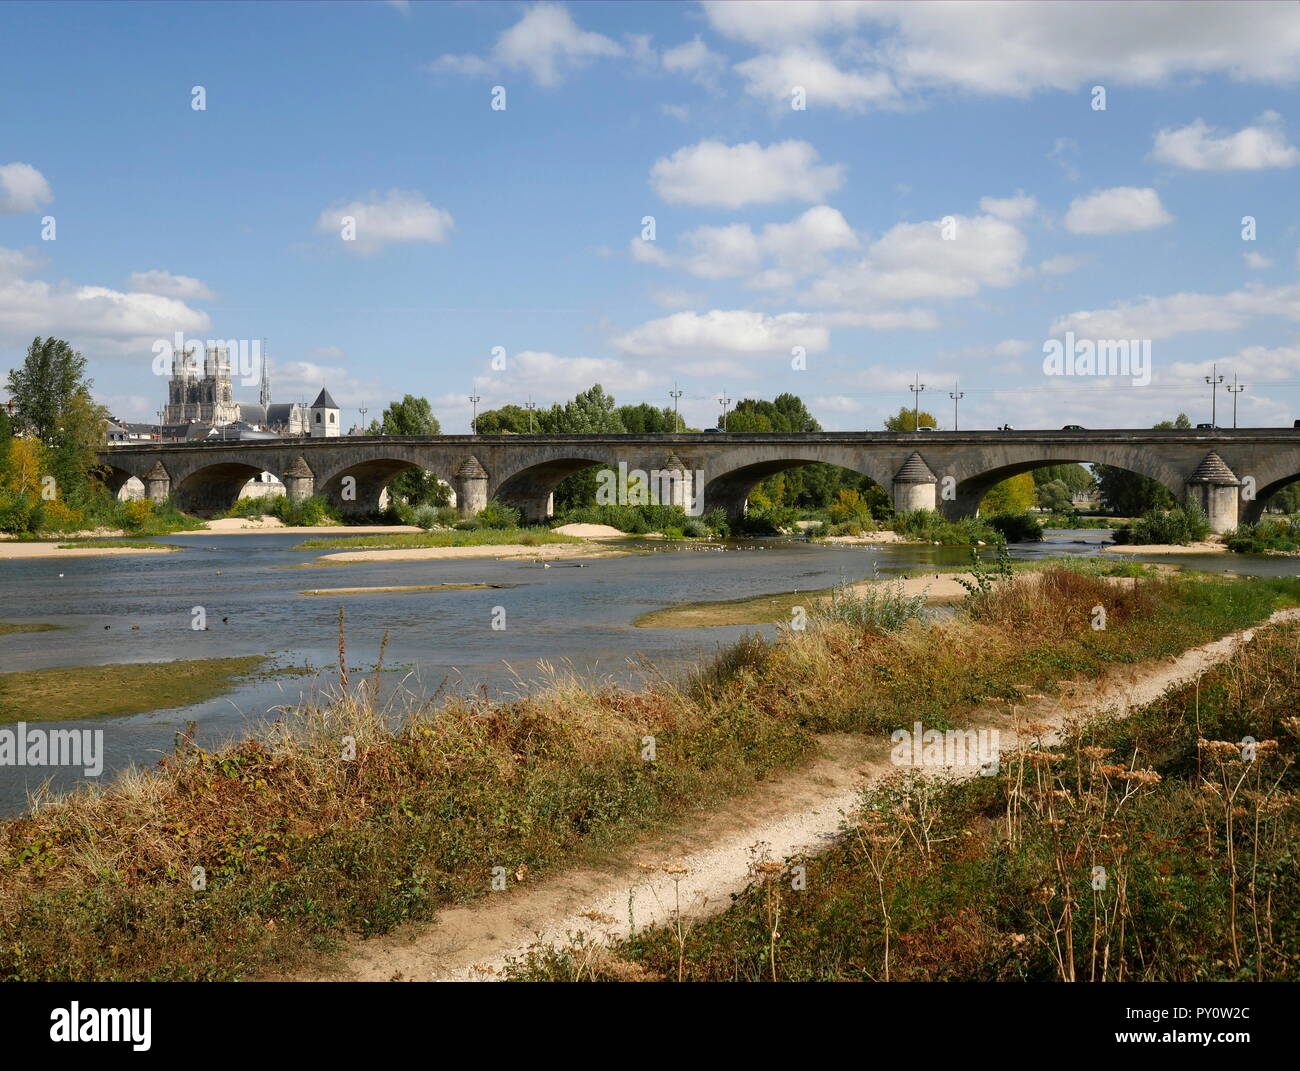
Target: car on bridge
1074, 427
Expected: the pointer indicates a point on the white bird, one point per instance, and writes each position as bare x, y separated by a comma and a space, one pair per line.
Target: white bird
60, 576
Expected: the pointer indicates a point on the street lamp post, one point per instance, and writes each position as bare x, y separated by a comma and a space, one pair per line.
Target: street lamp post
474, 400
956, 396
1234, 390
725, 401
674, 394
530, 405
1214, 381
916, 389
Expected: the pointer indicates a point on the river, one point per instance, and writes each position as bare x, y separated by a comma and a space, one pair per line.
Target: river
576, 615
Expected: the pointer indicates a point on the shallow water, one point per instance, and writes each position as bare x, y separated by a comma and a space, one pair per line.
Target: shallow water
575, 615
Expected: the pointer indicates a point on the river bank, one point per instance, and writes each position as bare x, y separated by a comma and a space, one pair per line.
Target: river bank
280, 822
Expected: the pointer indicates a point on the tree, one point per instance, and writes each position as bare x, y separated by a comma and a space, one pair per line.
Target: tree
50, 377
1075, 477
1054, 496
906, 420
1129, 494
414, 416
646, 419
1014, 495
508, 420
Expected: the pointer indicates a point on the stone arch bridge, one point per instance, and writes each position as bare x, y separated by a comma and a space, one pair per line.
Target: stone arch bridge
1229, 472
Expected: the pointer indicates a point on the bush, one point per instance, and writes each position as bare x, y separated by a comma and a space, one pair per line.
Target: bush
774, 520
1282, 534
1168, 527
928, 525
493, 515
874, 609
1018, 527
425, 516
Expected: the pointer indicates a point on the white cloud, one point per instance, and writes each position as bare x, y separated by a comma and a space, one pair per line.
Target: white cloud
1017, 49
1198, 147
399, 216
732, 176
695, 60
546, 43
1252, 362
1116, 211
552, 376
1012, 209
799, 247
1062, 264
169, 285
293, 381
837, 403
882, 319
22, 189
721, 332
912, 261
1182, 313
15, 263
94, 318
773, 76
1257, 261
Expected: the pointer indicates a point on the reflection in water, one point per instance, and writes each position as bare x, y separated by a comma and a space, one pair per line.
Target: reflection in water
574, 615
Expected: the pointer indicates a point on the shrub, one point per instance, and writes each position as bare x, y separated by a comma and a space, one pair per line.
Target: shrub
1018, 527
886, 608
1170, 527
497, 515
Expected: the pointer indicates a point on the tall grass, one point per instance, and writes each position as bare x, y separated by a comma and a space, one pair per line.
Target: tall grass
1155, 846
303, 839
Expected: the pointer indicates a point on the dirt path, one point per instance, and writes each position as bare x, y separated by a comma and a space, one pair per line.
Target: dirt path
800, 811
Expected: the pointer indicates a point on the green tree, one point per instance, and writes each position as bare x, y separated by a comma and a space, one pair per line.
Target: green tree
1054, 496
906, 420
414, 416
592, 412
1075, 477
508, 420
1129, 494
1014, 495
646, 419
51, 375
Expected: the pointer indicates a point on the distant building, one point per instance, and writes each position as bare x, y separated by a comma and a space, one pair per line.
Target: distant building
287, 418
324, 417
208, 399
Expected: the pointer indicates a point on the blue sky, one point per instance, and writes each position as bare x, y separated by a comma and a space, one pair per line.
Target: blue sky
774, 227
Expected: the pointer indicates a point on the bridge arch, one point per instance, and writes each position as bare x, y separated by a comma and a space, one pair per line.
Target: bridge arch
213, 489
730, 490
531, 489
358, 489
969, 490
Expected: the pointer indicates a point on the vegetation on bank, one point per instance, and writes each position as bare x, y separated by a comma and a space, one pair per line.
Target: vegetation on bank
307, 513
71, 693
1166, 527
474, 537
1157, 846
117, 544
301, 844
1281, 534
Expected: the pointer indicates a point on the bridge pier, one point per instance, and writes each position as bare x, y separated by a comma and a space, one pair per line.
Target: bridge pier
1215, 488
471, 487
914, 485
299, 481
157, 484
